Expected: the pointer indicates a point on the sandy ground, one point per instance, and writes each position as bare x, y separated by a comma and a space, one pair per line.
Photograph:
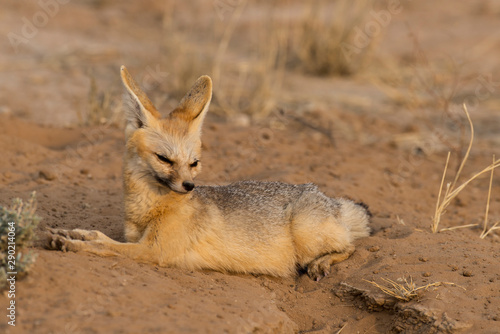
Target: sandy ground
361, 136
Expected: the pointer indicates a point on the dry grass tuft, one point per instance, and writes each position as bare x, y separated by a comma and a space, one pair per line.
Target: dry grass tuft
405, 291
452, 190
321, 46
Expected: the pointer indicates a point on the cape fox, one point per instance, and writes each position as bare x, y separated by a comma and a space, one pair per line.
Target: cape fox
246, 227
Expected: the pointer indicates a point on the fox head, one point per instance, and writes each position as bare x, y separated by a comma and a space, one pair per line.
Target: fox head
165, 151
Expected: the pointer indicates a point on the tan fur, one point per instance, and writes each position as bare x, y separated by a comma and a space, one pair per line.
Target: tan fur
247, 227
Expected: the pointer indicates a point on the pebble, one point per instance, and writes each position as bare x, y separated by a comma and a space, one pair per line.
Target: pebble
467, 273
47, 175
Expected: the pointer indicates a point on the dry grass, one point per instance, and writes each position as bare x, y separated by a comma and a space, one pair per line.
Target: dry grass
250, 82
433, 86
103, 107
451, 190
321, 44
243, 83
183, 63
495, 226
341, 329
405, 291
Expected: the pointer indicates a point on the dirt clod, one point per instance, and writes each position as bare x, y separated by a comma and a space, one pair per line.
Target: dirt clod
467, 273
47, 175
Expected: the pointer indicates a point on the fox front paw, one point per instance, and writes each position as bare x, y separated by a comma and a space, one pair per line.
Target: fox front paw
62, 243
70, 240
80, 240
77, 234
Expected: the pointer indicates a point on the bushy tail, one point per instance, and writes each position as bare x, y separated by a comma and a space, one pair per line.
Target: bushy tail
356, 217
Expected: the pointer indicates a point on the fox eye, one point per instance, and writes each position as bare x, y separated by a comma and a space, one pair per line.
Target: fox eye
194, 164
164, 159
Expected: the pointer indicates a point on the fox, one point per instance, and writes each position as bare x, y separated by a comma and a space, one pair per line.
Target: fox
247, 227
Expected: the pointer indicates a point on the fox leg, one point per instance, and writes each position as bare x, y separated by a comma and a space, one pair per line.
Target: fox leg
320, 267
96, 242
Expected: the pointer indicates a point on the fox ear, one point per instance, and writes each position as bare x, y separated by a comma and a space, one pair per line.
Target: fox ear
138, 108
194, 105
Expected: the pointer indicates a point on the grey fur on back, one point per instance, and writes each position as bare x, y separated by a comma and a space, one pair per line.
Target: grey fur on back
259, 203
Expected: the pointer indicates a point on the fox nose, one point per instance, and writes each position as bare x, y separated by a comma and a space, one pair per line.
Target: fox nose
188, 185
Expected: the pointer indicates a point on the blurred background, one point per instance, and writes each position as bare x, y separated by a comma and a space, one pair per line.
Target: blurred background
60, 59
363, 98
